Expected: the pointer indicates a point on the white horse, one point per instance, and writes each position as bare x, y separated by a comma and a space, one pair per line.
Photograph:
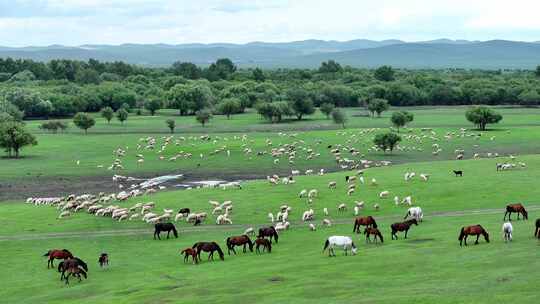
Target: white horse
344, 242
507, 231
415, 212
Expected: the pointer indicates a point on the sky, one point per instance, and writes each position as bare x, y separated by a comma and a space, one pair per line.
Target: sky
78, 22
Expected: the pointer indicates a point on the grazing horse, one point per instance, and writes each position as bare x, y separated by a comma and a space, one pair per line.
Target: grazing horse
404, 226
241, 240
208, 247
269, 232
344, 242
458, 173
266, 243
103, 260
73, 266
472, 230
165, 227
59, 254
75, 261
369, 231
184, 211
507, 230
537, 230
518, 208
190, 252
367, 221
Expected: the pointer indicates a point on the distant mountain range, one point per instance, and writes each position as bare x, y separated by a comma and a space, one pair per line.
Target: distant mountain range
440, 53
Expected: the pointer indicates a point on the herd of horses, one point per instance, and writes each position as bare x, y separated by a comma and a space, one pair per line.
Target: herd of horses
74, 266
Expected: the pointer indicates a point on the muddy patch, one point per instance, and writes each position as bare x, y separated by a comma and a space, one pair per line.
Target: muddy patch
276, 279
419, 241
503, 279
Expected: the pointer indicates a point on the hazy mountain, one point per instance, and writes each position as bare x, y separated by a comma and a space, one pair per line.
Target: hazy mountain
308, 53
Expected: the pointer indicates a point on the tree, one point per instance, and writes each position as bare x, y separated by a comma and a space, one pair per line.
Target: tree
53, 126
386, 141
203, 116
482, 116
190, 98
87, 76
171, 124
152, 105
122, 115
274, 111
107, 113
529, 98
300, 102
327, 109
84, 121
186, 69
384, 73
229, 106
339, 117
537, 71
13, 137
221, 69
377, 105
401, 118
330, 66
258, 75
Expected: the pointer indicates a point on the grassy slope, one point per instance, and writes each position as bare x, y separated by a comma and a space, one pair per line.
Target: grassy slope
427, 267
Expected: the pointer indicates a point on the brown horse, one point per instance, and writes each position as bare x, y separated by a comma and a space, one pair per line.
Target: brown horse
404, 226
267, 245
74, 267
367, 221
537, 230
241, 240
208, 247
472, 230
518, 208
369, 231
58, 254
103, 260
65, 264
270, 232
190, 252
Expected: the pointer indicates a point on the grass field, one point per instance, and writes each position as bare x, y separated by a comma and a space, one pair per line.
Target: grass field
429, 266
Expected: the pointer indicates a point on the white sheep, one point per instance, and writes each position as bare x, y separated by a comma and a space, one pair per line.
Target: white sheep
325, 211
64, 214
303, 193
312, 227
350, 191
327, 223
313, 193
384, 194
356, 210
332, 185
342, 207
396, 200
271, 217
424, 177
249, 231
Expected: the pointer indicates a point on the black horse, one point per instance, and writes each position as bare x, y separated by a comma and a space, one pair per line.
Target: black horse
72, 262
269, 232
537, 230
458, 173
208, 247
165, 227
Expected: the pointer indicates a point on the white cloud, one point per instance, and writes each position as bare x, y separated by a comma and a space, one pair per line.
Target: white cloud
74, 22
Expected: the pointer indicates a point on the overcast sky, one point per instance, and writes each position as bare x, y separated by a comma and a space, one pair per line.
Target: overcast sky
76, 22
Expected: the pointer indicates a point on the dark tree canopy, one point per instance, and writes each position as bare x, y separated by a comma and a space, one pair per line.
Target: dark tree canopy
482, 116
83, 121
122, 115
203, 116
107, 113
401, 118
13, 137
300, 102
327, 109
258, 75
171, 124
384, 73
152, 105
386, 141
229, 107
330, 66
339, 117
378, 106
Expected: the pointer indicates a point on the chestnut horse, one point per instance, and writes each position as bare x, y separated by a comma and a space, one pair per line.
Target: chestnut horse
472, 230
404, 226
71, 262
190, 252
164, 227
103, 260
59, 254
369, 231
537, 231
208, 247
267, 245
367, 221
270, 232
241, 240
518, 208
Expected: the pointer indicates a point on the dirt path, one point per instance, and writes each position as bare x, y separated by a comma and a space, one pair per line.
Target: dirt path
238, 228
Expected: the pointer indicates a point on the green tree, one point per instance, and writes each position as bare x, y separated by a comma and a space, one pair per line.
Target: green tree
87, 76
221, 69
327, 109
229, 107
377, 105
171, 124
13, 137
300, 102
537, 71
152, 105
384, 73
187, 70
258, 75
529, 98
192, 98
330, 66
386, 141
203, 116
83, 121
339, 117
107, 113
122, 115
401, 118
482, 116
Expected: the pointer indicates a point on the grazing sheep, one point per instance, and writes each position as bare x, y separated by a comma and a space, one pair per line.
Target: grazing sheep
384, 194
356, 210
312, 227
178, 216
376, 207
424, 177
350, 191
396, 200
374, 182
308, 215
271, 217
313, 193
214, 203
249, 231
303, 193
64, 214
327, 223
218, 209
134, 216
342, 207
332, 185
325, 211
